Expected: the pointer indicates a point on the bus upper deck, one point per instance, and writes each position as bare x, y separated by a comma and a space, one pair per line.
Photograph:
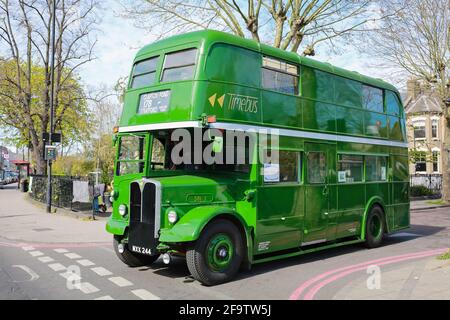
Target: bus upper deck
178, 80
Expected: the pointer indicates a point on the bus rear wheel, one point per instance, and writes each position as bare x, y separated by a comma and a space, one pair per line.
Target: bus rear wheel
217, 255
130, 258
375, 227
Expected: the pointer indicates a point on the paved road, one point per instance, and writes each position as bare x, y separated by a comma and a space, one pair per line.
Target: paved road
55, 257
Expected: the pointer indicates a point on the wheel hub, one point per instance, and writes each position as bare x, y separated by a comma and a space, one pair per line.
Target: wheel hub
220, 251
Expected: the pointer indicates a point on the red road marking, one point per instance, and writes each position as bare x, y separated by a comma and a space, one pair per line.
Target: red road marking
354, 268
55, 245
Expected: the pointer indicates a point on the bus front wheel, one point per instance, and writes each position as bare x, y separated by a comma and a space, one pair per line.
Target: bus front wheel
218, 253
130, 258
375, 227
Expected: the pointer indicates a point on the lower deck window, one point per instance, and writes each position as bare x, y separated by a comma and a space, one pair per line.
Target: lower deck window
376, 168
317, 168
350, 169
287, 170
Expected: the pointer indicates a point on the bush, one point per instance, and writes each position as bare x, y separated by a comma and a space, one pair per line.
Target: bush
420, 191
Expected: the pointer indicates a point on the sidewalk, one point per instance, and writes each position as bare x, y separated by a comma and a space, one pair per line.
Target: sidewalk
426, 205
22, 220
424, 279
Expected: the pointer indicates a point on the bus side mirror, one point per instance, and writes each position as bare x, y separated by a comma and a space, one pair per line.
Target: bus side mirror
114, 139
218, 144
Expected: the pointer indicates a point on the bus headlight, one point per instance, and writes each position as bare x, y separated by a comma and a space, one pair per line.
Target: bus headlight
172, 216
122, 210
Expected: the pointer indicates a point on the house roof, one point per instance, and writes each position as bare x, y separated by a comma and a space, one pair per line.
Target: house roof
424, 103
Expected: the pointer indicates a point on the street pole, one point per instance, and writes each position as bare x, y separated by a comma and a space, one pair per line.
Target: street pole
52, 99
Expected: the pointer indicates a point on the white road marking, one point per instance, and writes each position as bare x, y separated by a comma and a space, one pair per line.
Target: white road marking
144, 294
70, 276
46, 259
61, 250
87, 288
121, 282
28, 248
36, 253
33, 275
86, 263
57, 267
102, 271
105, 298
72, 256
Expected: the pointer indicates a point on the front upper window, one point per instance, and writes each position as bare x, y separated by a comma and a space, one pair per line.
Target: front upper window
179, 65
280, 76
144, 73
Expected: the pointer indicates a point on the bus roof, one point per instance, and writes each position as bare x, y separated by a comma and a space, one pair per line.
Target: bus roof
210, 37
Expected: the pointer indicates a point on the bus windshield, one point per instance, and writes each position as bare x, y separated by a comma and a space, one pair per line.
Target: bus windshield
164, 156
131, 156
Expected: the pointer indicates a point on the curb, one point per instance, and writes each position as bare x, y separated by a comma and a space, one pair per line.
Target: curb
429, 208
64, 212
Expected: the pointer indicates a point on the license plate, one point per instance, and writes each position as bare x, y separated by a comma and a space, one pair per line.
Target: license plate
141, 250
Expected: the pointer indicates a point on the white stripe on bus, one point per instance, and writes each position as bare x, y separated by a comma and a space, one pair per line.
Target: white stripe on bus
272, 130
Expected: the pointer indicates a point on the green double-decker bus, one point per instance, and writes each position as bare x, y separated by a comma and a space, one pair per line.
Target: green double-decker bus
340, 174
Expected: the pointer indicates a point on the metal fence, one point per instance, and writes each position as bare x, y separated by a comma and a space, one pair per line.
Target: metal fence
62, 192
432, 182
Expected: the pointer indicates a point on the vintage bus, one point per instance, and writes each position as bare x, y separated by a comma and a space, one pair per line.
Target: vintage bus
341, 176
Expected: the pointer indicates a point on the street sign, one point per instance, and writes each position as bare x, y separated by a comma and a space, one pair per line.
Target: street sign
50, 153
56, 137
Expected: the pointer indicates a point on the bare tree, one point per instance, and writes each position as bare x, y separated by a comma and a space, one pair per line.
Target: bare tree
287, 24
416, 40
25, 28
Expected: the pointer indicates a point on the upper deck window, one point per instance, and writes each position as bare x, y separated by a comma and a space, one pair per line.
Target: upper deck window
144, 73
279, 76
179, 65
373, 99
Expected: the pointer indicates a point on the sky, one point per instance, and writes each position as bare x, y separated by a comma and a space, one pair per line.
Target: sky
119, 41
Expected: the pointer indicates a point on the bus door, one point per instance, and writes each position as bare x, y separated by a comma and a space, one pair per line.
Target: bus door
320, 194
280, 204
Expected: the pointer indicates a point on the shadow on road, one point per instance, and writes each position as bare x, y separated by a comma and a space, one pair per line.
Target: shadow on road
178, 267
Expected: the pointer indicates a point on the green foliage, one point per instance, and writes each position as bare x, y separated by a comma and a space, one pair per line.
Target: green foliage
25, 116
75, 165
420, 191
444, 256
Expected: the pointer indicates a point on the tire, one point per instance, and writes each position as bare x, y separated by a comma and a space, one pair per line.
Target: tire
375, 227
218, 253
132, 259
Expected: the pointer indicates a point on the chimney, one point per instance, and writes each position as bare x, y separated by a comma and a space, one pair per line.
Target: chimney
413, 88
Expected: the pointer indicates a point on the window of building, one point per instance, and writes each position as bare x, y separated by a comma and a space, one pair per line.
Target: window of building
350, 168
179, 65
421, 161
280, 76
419, 129
435, 156
376, 168
373, 99
144, 73
287, 170
317, 168
434, 128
